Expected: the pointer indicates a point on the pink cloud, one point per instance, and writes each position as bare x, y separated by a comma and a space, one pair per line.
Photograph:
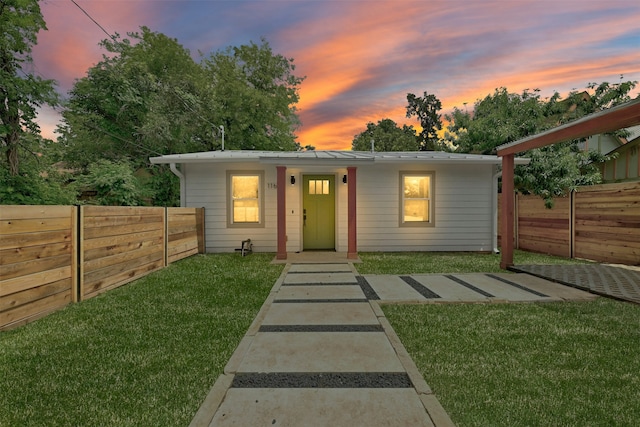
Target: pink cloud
361, 58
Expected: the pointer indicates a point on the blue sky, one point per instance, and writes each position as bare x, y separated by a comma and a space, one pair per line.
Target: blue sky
362, 57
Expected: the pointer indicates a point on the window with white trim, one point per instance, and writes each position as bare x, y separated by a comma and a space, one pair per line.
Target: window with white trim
245, 199
416, 199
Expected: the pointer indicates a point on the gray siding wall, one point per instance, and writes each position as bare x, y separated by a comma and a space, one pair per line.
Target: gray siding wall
463, 217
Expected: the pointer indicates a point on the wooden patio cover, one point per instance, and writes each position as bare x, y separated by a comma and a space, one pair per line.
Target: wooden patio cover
619, 117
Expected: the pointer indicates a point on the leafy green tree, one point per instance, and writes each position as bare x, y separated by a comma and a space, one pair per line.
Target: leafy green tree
503, 117
21, 92
149, 97
556, 169
387, 136
256, 92
426, 109
142, 99
114, 183
497, 119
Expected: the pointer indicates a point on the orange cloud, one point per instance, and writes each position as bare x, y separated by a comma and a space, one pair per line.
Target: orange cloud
361, 58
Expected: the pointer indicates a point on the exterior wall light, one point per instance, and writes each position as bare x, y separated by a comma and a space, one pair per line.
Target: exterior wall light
344, 179
293, 180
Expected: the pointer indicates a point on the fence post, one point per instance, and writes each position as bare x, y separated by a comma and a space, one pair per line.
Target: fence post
572, 224
75, 243
165, 237
80, 254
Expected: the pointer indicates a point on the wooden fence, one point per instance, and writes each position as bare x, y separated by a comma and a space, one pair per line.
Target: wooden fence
51, 256
599, 223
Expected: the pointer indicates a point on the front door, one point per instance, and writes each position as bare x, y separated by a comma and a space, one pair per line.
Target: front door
318, 212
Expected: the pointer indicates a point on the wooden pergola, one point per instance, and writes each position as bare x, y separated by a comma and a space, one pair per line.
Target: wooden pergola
619, 117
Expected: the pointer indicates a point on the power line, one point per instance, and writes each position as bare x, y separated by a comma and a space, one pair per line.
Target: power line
94, 21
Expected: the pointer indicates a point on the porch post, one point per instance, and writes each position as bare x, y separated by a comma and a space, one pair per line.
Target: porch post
282, 212
352, 247
507, 211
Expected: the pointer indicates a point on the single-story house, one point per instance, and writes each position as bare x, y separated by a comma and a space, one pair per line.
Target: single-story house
343, 201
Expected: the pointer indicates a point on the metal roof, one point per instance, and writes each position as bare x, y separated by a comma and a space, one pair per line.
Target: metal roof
335, 157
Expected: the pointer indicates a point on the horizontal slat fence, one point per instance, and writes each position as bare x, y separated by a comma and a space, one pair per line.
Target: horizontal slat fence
185, 229
37, 261
119, 244
607, 223
600, 223
51, 256
544, 230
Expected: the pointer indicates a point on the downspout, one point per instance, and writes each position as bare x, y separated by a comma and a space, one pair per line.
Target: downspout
494, 211
183, 184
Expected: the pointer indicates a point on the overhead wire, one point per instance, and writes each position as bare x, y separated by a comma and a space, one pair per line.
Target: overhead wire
94, 21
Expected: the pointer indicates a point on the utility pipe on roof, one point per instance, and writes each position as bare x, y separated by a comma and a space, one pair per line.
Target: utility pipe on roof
494, 211
183, 184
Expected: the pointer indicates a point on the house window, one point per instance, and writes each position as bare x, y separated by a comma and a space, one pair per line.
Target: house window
245, 196
416, 201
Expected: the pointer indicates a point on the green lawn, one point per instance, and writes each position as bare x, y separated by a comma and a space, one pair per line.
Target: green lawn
143, 354
446, 262
147, 353
543, 364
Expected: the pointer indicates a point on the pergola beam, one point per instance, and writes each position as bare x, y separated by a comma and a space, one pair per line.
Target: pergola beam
619, 117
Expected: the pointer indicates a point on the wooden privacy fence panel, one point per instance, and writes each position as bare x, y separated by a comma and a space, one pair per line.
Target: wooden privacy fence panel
544, 230
53, 255
600, 223
37, 261
185, 232
607, 223
118, 245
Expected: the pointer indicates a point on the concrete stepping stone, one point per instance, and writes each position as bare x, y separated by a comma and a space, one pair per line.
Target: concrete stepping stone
316, 268
449, 290
348, 313
498, 289
554, 290
320, 352
393, 288
321, 407
320, 277
324, 292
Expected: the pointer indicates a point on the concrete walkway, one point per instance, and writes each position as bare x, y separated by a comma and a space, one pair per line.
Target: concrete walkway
321, 352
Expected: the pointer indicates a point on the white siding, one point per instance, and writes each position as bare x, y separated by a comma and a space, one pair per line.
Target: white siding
462, 209
463, 195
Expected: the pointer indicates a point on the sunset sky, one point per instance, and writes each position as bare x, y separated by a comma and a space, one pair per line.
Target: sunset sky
362, 57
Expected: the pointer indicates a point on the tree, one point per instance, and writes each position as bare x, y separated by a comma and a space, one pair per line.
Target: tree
149, 97
426, 110
21, 93
387, 136
143, 99
497, 119
256, 92
503, 117
114, 183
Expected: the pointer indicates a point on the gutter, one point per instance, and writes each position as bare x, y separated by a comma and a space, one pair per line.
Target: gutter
494, 211
183, 186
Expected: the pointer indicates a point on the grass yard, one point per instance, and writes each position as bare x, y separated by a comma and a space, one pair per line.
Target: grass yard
543, 364
447, 262
143, 354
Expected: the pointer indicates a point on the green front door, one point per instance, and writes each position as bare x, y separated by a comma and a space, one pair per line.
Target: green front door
318, 212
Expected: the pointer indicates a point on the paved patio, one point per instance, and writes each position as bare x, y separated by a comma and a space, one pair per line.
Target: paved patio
617, 281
